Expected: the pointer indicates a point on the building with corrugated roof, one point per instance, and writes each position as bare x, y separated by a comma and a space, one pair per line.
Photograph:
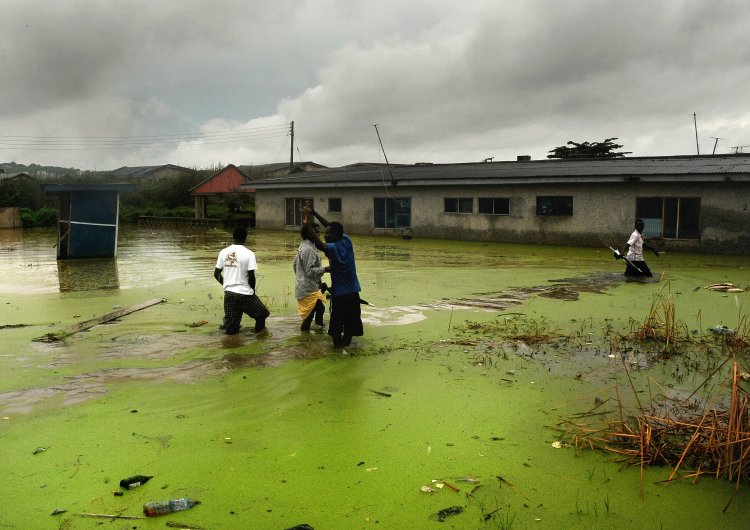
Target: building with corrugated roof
690, 203
148, 174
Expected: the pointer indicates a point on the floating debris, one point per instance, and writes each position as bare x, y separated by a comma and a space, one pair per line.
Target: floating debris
58, 511
443, 514
197, 324
470, 480
427, 489
726, 287
40, 450
184, 526
134, 481
721, 330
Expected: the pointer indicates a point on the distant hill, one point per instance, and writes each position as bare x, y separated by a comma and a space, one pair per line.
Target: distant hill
41, 172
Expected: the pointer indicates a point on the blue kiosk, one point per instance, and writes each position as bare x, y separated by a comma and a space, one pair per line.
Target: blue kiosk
87, 219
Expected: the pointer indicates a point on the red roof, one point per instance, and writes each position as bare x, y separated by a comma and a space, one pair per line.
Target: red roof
228, 180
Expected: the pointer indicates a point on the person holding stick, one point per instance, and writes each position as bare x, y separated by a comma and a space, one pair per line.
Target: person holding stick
632, 252
235, 270
346, 316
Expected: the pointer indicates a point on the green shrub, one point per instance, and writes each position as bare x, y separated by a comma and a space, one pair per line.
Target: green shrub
42, 217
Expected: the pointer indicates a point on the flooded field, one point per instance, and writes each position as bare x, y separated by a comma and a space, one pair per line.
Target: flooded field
448, 413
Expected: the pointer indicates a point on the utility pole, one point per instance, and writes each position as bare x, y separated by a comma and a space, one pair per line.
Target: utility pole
695, 123
291, 148
715, 143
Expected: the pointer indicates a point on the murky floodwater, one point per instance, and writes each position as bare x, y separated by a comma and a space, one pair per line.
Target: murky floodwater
280, 429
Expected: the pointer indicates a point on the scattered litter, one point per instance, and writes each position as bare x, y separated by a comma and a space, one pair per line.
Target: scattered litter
134, 481
371, 469
228, 440
184, 526
426, 489
58, 511
721, 330
152, 509
197, 323
559, 445
40, 450
726, 287
443, 514
744, 376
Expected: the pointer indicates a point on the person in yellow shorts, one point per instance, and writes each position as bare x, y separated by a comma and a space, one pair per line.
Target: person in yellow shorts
308, 271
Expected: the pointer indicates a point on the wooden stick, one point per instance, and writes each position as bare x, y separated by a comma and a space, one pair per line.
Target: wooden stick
101, 319
108, 516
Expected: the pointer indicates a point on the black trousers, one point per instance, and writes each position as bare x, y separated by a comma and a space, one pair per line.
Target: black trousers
346, 317
632, 271
236, 304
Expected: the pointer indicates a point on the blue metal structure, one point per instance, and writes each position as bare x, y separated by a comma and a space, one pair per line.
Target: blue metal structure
87, 219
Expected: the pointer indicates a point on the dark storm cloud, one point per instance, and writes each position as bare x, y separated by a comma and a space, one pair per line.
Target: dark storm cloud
446, 81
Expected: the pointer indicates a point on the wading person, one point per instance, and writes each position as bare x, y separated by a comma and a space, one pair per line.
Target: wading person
345, 320
308, 270
633, 252
235, 270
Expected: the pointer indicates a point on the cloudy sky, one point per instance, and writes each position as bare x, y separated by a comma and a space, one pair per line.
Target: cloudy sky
98, 84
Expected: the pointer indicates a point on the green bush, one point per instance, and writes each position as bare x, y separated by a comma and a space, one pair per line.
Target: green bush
42, 217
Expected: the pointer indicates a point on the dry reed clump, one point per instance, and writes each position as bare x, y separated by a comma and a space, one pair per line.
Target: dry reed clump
661, 324
714, 441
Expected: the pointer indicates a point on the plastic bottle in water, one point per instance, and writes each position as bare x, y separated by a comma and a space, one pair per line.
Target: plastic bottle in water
162, 508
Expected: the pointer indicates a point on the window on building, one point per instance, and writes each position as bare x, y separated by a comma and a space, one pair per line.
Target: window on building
459, 205
334, 204
554, 205
392, 212
293, 210
494, 205
670, 217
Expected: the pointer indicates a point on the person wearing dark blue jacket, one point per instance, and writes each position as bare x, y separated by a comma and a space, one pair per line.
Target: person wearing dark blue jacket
346, 318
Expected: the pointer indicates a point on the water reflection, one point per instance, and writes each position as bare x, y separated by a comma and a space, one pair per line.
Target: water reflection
153, 257
88, 275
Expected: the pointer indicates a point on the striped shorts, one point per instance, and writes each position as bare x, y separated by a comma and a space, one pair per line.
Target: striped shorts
236, 304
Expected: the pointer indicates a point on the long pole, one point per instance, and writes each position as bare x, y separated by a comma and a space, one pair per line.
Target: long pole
291, 149
384, 155
695, 123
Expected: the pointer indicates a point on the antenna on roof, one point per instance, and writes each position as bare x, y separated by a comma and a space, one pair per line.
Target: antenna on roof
291, 148
715, 143
393, 181
695, 124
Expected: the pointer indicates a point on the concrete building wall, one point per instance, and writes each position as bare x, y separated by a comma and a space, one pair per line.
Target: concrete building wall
601, 213
10, 217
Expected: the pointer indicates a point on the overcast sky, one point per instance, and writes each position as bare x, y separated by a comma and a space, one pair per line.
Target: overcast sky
97, 84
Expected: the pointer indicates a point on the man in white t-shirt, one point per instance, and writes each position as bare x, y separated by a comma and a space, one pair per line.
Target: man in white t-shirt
235, 270
633, 251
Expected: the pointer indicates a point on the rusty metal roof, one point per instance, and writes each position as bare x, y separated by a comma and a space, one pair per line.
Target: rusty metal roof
648, 169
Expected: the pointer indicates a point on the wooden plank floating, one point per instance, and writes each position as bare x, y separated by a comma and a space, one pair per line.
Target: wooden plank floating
88, 324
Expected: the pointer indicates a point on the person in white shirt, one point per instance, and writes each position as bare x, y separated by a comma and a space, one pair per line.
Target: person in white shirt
235, 270
633, 251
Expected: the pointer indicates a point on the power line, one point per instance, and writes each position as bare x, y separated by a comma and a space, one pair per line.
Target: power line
85, 143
